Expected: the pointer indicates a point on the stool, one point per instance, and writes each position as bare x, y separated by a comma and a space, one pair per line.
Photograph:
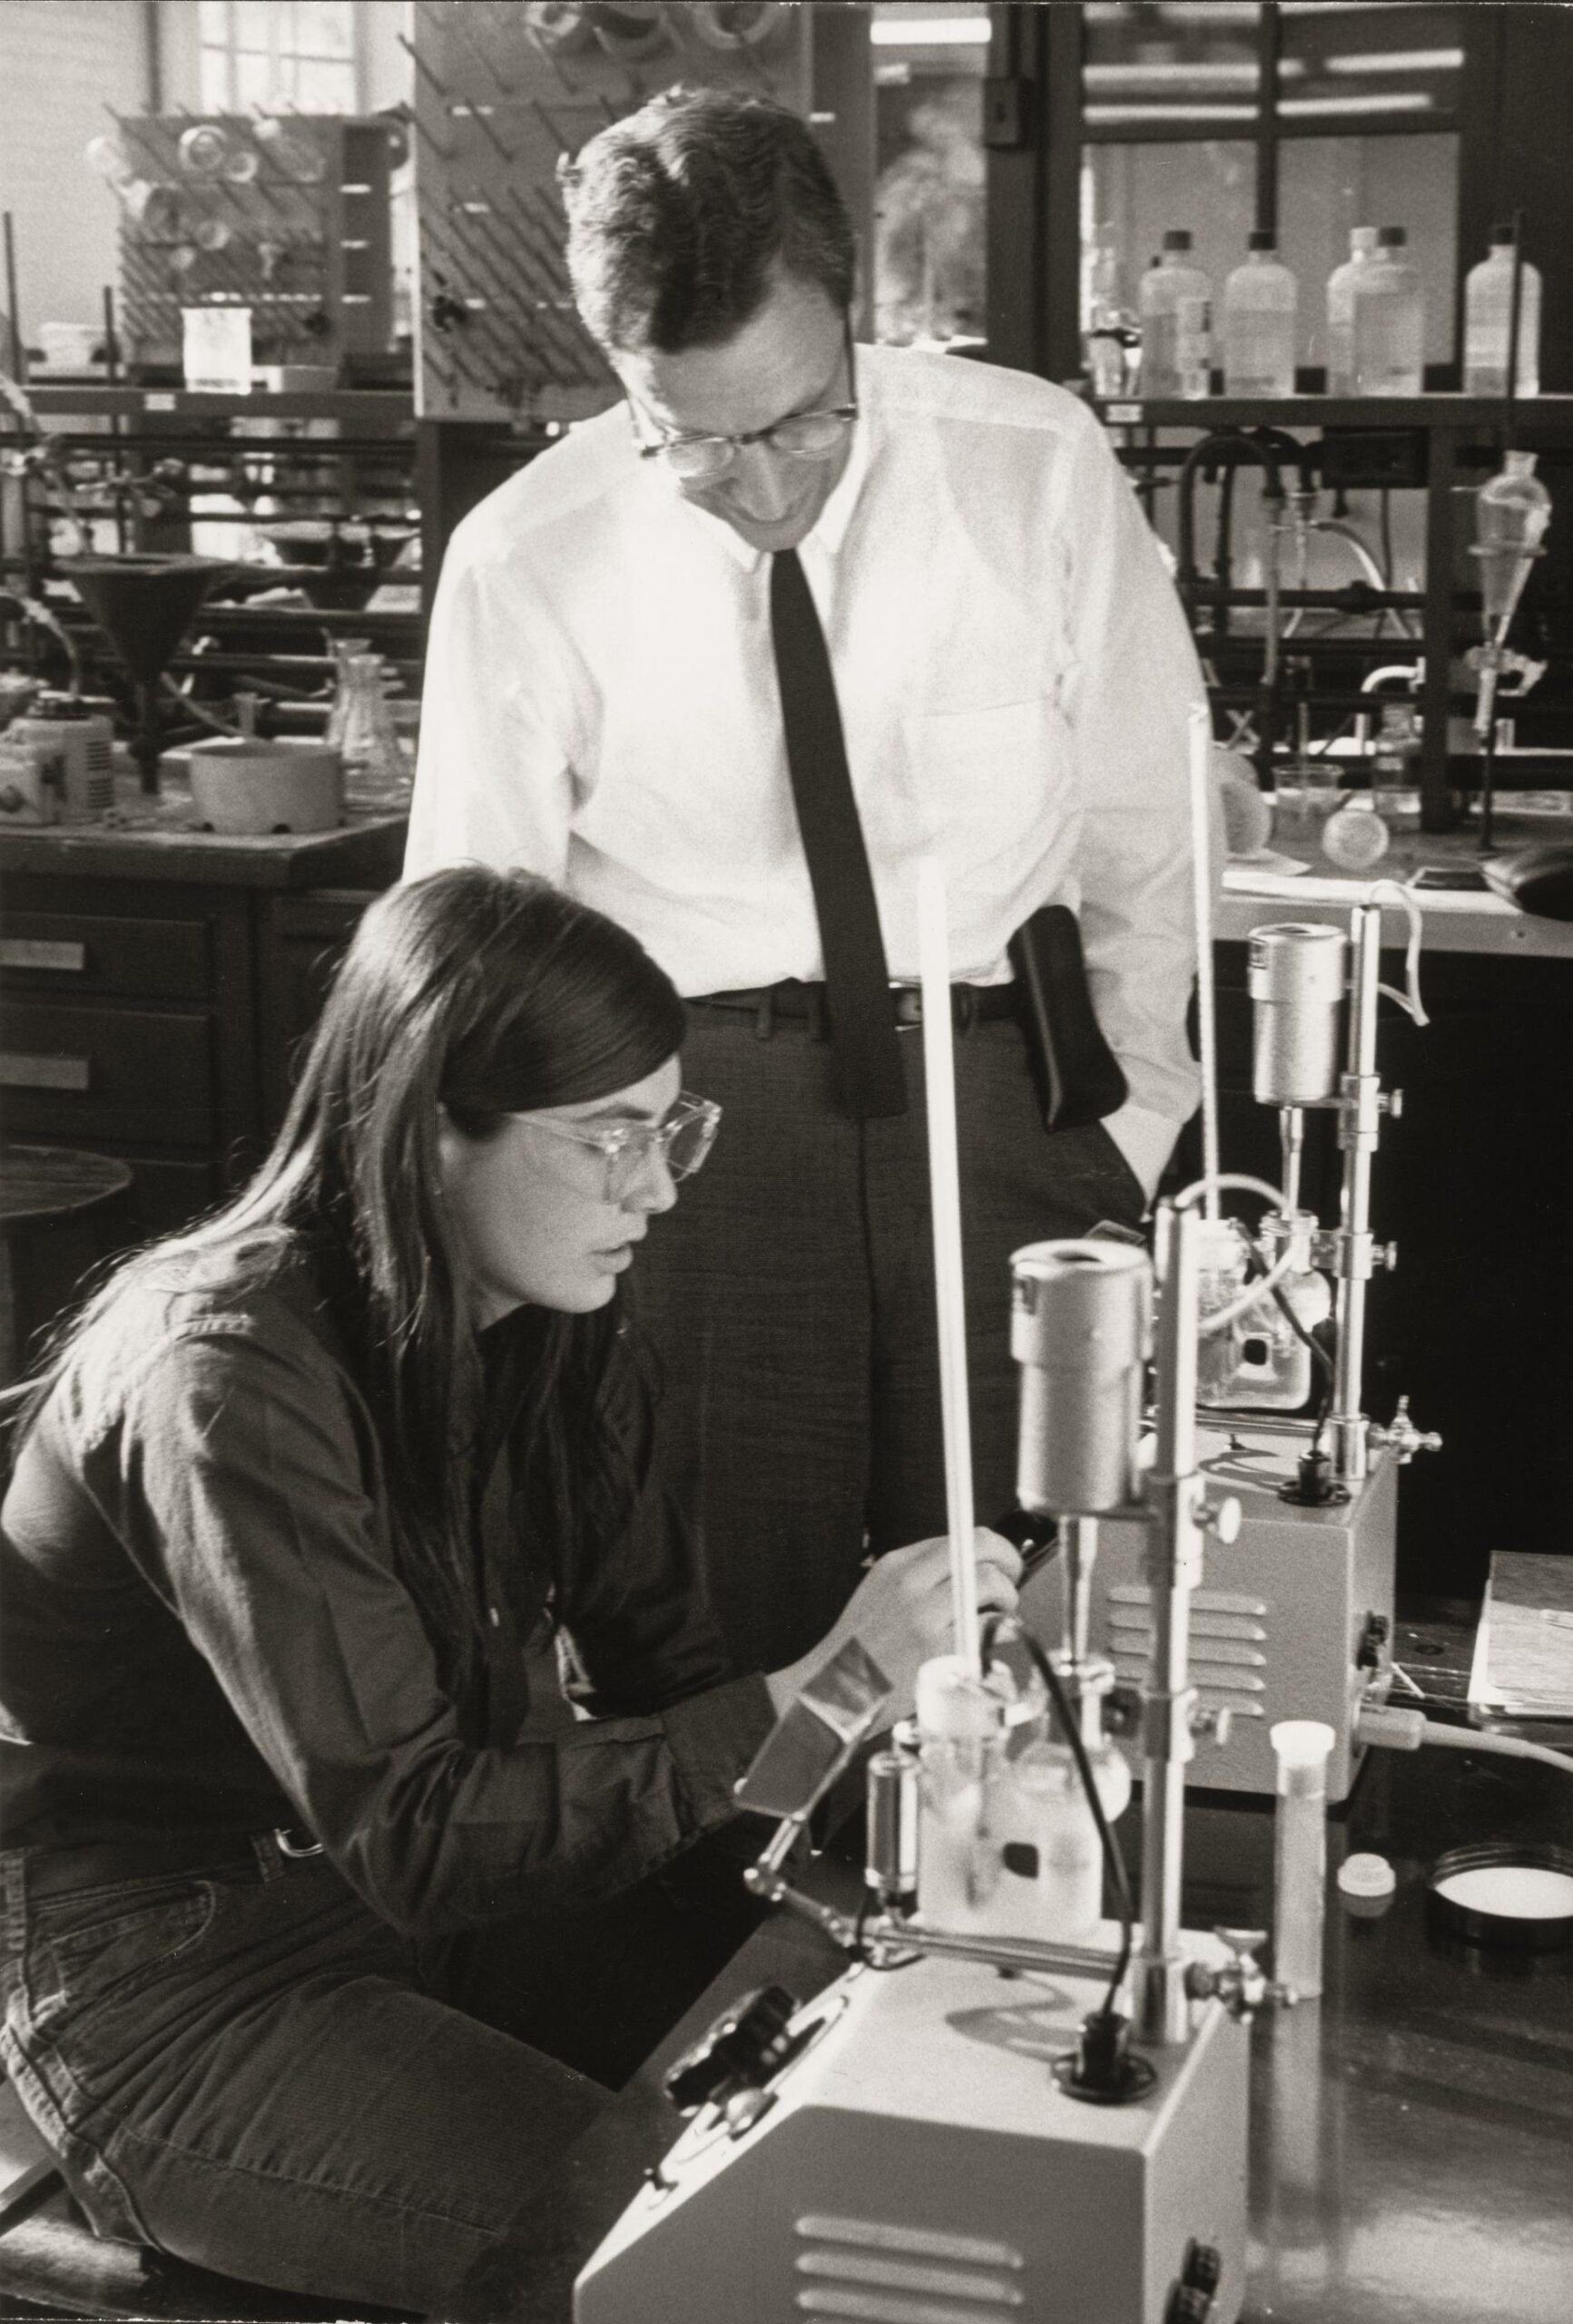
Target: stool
51, 2265
56, 1203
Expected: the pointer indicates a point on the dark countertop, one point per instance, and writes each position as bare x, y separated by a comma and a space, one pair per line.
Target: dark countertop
154, 839
1411, 2132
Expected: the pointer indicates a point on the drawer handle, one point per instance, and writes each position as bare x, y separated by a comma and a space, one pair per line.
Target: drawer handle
19, 1071
34, 953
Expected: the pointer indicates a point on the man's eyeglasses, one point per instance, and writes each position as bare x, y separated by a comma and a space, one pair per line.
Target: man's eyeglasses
800, 435
683, 1140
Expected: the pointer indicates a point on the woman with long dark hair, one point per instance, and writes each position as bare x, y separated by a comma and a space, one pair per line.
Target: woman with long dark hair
296, 1507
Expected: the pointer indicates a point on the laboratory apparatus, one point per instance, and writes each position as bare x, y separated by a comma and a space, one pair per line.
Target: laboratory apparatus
1296, 1620
1511, 514
925, 2137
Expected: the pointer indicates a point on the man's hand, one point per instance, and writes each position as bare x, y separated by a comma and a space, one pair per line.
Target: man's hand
901, 1612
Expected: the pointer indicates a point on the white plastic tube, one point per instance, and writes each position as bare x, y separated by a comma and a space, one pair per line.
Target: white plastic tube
945, 1204
1301, 1746
1394, 1727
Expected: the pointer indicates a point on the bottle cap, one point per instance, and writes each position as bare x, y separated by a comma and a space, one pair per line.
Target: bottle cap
1367, 1875
1177, 237
1391, 238
1301, 1746
1362, 238
1500, 234
1260, 239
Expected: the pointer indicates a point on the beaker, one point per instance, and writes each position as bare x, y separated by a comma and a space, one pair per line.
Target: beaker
361, 722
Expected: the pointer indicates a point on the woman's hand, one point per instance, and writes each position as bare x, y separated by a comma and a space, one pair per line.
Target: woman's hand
902, 1613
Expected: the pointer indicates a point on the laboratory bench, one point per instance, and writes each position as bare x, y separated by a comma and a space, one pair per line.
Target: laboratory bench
155, 979
1411, 2132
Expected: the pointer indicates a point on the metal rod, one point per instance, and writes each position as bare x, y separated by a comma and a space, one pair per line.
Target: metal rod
1173, 1568
421, 66
474, 112
1292, 1142
18, 351
1003, 1952
1079, 1535
1348, 1428
1486, 725
1515, 308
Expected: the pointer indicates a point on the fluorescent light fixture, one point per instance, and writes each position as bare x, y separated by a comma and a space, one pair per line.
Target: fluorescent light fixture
1107, 114
928, 32
1398, 60
1400, 101
1244, 13
1166, 74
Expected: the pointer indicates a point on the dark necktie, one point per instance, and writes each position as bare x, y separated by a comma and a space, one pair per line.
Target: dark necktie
870, 1076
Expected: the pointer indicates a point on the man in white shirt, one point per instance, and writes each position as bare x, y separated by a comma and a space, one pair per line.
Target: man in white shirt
1013, 673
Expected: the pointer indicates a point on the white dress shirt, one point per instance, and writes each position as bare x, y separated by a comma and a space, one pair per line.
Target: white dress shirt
1013, 669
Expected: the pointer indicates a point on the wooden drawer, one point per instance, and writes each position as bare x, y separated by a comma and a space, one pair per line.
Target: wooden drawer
77, 1074
72, 952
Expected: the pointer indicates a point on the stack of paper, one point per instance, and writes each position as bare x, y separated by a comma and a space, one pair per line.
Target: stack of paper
1523, 1666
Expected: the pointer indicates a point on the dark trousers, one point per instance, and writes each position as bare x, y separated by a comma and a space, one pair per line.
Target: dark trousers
249, 2070
790, 1298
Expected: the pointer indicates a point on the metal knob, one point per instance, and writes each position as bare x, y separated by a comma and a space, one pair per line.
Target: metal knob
1222, 1518
740, 2051
1212, 1718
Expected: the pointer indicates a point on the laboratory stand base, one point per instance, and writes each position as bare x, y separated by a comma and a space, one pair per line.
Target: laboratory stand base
918, 2159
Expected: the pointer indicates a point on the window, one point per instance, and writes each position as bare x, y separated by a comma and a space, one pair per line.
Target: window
1220, 115
268, 55
929, 194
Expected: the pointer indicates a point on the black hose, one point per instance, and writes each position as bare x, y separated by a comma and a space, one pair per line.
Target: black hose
1113, 1859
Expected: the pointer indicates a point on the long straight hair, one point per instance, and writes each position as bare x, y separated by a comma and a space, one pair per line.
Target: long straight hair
482, 994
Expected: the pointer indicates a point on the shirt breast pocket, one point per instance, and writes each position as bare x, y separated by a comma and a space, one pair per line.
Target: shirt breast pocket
986, 780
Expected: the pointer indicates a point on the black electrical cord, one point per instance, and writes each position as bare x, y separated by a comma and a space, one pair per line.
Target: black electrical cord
1113, 1858
1324, 1362
1254, 1270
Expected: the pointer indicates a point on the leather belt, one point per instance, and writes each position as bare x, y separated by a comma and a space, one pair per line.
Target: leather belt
105, 1863
970, 1004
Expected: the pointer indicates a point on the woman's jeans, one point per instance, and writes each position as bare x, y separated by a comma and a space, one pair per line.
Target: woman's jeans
244, 2070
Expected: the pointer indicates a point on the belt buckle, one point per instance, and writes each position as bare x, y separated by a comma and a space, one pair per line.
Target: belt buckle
290, 1840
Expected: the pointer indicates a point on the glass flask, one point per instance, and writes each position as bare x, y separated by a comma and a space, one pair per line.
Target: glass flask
361, 722
1259, 1360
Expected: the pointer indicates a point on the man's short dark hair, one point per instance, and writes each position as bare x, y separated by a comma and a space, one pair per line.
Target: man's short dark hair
680, 215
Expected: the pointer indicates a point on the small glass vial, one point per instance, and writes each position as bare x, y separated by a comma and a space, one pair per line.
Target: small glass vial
1301, 1747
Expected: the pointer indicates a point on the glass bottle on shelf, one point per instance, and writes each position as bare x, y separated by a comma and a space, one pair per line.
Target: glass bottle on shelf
1342, 284
1105, 333
1260, 300
1389, 324
1176, 302
1488, 321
